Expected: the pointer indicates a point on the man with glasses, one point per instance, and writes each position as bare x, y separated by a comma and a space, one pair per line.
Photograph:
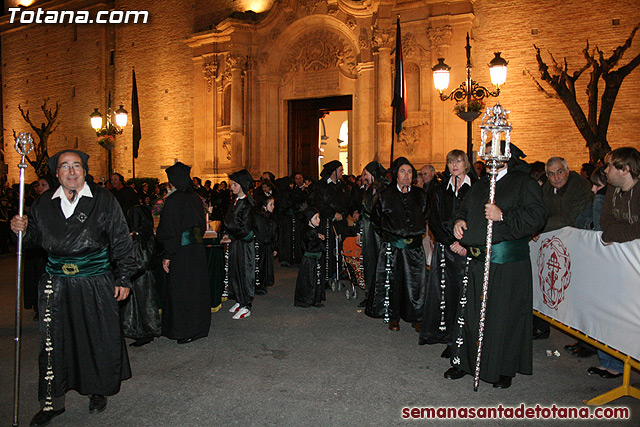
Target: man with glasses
566, 194
90, 262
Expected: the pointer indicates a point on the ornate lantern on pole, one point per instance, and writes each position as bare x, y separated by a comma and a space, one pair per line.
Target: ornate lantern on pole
469, 94
107, 134
496, 127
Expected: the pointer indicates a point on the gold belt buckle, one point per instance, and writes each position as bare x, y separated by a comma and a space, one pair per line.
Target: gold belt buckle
70, 269
475, 252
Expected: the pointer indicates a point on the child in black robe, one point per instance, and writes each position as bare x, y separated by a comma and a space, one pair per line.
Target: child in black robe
309, 286
265, 230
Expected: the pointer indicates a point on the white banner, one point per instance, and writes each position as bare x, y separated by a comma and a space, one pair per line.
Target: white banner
588, 286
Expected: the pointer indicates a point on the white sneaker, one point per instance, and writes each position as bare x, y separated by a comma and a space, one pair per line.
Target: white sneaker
242, 313
235, 308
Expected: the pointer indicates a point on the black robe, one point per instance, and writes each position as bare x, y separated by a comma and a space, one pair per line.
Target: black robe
265, 230
447, 267
507, 344
370, 240
140, 313
290, 206
186, 311
89, 354
238, 224
329, 199
309, 287
401, 219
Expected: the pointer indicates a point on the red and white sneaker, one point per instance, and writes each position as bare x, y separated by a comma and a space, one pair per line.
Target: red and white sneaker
242, 313
234, 308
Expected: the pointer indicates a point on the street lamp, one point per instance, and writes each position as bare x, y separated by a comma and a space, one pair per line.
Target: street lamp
469, 89
107, 134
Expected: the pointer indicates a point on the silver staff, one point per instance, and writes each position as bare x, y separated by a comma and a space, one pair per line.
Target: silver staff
24, 145
495, 124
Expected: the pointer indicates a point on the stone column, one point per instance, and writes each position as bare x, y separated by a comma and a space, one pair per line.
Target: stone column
441, 115
384, 93
236, 63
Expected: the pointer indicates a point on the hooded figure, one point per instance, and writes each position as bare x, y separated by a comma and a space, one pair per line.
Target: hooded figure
180, 177
310, 290
186, 315
244, 178
329, 168
378, 172
238, 227
401, 218
333, 201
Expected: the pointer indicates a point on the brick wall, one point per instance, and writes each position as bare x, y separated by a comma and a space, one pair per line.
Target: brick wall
542, 127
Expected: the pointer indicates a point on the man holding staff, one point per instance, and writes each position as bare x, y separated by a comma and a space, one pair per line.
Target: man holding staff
518, 212
85, 234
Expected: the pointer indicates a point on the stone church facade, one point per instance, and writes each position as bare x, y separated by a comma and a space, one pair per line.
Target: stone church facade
218, 83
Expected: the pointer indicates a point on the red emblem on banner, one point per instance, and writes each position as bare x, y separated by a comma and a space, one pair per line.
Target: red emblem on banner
554, 271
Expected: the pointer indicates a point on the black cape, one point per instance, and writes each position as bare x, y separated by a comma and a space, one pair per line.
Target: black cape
265, 230
238, 224
186, 310
309, 287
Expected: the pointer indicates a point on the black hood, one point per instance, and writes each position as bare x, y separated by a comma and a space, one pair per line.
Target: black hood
378, 172
244, 178
329, 168
395, 167
180, 177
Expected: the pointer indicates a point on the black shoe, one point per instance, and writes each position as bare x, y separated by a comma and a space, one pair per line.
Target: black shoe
97, 403
42, 418
539, 334
454, 373
422, 341
141, 341
595, 371
607, 374
446, 353
320, 304
571, 347
503, 382
363, 303
583, 352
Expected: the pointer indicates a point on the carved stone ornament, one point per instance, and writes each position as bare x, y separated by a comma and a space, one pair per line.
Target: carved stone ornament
440, 38
332, 10
226, 145
209, 71
351, 23
382, 38
409, 138
363, 41
319, 50
410, 47
275, 35
263, 58
236, 61
309, 6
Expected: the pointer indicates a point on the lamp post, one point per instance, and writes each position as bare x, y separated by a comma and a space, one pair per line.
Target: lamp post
469, 89
107, 134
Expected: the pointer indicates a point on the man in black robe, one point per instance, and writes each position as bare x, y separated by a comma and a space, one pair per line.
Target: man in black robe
186, 314
400, 215
332, 201
83, 231
519, 212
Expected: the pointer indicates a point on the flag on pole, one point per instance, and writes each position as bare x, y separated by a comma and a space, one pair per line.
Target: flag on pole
399, 103
135, 117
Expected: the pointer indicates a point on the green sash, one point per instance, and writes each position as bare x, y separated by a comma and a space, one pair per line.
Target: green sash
402, 243
314, 255
191, 236
92, 264
504, 252
248, 236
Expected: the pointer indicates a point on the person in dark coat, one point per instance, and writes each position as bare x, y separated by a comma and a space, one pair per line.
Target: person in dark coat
331, 198
400, 215
309, 288
238, 233
265, 230
186, 314
293, 200
82, 229
140, 314
449, 258
374, 178
518, 212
